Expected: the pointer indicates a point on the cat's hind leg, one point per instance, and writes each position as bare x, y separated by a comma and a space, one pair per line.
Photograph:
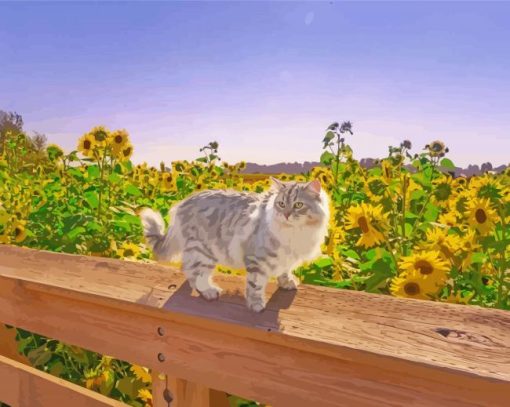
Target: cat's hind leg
198, 264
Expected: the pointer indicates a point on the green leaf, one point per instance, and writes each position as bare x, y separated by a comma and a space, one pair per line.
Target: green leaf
431, 213
133, 190
77, 231
447, 163
327, 138
129, 386
417, 195
114, 178
408, 229
94, 226
382, 271
23, 343
57, 368
327, 158
323, 262
479, 258
76, 173
93, 171
92, 198
131, 219
39, 356
350, 253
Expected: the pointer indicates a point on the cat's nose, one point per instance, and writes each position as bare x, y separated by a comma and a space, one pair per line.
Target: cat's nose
287, 215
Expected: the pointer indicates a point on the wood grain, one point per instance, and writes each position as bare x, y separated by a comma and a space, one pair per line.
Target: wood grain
24, 386
175, 392
318, 346
9, 346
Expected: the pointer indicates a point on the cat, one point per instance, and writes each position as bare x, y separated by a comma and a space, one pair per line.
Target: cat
268, 234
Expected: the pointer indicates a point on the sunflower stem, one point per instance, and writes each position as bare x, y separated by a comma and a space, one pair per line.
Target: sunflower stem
503, 264
404, 192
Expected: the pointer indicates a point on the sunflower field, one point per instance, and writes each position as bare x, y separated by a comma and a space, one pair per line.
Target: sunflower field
404, 227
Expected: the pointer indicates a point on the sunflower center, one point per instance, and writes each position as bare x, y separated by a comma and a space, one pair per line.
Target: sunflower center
168, 179
412, 288
424, 267
363, 224
128, 252
118, 139
17, 232
87, 144
100, 135
480, 216
127, 151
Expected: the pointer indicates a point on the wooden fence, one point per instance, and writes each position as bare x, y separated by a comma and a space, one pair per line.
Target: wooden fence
314, 347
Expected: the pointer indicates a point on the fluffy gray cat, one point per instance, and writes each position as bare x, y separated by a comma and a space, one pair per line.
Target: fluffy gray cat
268, 234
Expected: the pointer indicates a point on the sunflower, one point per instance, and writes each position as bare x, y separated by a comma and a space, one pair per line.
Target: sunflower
437, 148
336, 237
54, 152
387, 171
480, 215
168, 181
486, 186
448, 219
460, 202
324, 175
459, 298
101, 135
459, 183
428, 265
117, 140
411, 286
145, 395
129, 250
469, 246
18, 228
125, 152
86, 145
375, 188
442, 189
366, 217
448, 244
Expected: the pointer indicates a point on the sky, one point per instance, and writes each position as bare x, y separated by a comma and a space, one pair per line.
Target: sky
264, 79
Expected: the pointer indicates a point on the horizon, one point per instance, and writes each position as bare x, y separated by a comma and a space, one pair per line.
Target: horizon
263, 79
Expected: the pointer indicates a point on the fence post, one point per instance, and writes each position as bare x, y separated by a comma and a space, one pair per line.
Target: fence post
173, 392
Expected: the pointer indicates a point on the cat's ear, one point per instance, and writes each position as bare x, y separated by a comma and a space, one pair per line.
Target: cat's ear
314, 186
277, 184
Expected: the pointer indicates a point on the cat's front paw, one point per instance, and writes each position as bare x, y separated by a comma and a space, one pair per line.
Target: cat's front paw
288, 282
211, 293
256, 306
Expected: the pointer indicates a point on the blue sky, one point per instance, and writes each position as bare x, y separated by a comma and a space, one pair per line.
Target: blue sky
264, 79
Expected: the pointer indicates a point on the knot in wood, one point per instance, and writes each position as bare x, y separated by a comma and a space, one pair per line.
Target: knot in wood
463, 336
168, 396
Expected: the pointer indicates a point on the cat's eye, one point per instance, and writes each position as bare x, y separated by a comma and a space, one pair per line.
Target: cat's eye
298, 205
281, 204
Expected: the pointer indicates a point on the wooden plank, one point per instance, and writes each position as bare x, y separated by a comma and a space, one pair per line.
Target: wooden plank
317, 347
173, 392
159, 387
187, 394
9, 346
24, 386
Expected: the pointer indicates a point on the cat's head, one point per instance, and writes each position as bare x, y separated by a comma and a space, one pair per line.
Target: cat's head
300, 203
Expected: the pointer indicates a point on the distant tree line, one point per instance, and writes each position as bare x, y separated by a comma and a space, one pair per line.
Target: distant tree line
12, 135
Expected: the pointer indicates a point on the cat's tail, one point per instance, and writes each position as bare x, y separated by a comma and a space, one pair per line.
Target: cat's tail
165, 246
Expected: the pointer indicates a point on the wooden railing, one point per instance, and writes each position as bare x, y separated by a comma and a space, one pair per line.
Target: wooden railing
314, 347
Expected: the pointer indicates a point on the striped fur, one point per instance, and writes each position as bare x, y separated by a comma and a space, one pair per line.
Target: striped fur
268, 234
